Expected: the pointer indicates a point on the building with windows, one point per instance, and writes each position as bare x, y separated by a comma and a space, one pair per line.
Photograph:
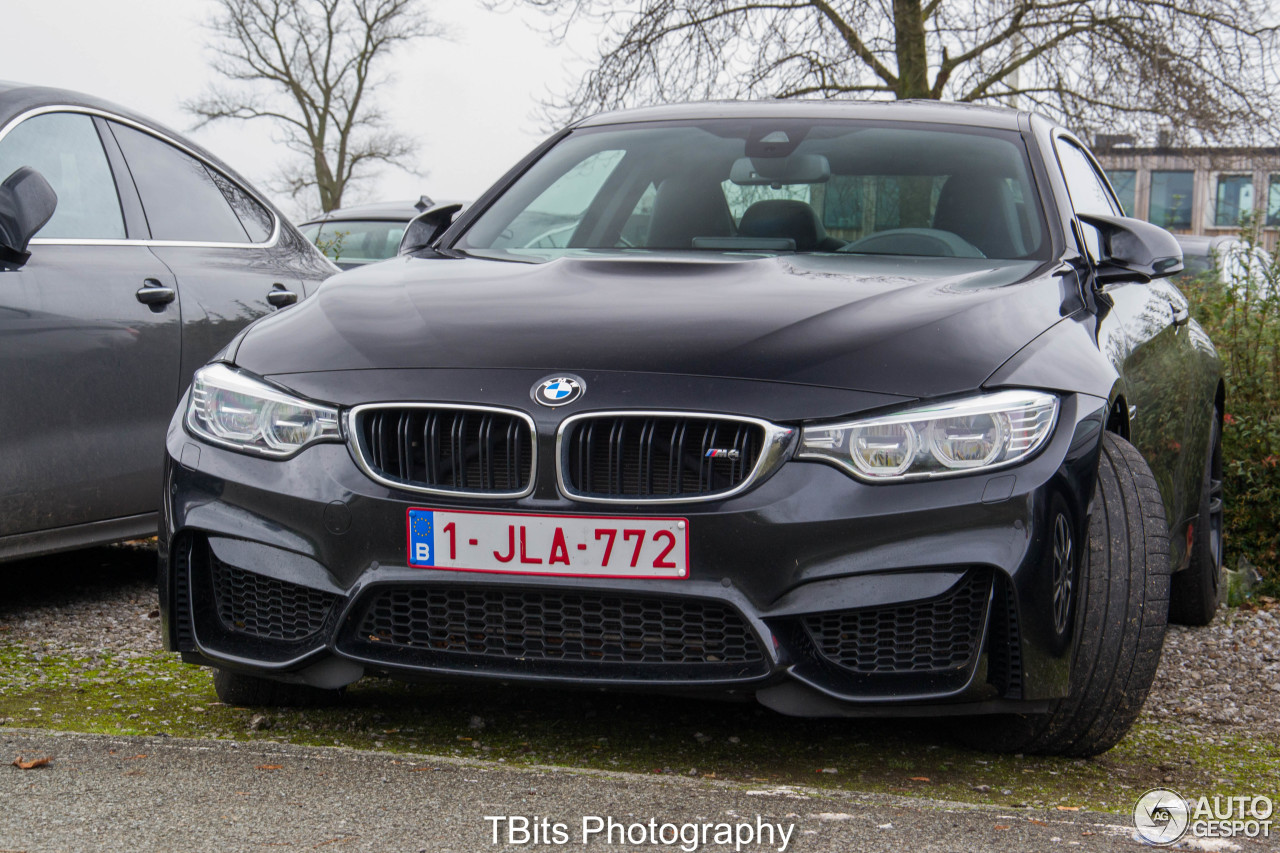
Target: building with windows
1205, 191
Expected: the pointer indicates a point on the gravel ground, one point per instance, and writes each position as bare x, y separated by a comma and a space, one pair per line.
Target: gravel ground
98, 599
1227, 674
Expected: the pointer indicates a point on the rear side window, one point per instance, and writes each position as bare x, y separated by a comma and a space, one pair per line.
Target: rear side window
65, 148
255, 218
180, 196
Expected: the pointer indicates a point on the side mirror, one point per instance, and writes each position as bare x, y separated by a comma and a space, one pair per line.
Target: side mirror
27, 202
1133, 249
425, 228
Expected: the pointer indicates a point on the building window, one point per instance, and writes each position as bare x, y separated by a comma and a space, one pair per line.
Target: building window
1171, 199
1125, 183
1234, 200
1273, 199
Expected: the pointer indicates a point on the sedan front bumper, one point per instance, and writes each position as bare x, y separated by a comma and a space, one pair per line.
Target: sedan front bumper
815, 593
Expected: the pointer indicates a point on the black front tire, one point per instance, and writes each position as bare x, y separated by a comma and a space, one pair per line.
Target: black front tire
1122, 608
237, 688
1197, 590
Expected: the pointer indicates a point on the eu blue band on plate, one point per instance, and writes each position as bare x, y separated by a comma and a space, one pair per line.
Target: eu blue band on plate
421, 538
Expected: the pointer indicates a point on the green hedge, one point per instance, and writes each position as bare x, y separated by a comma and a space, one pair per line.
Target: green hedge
1238, 304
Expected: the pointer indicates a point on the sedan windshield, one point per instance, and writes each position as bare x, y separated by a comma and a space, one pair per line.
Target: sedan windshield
770, 186
356, 241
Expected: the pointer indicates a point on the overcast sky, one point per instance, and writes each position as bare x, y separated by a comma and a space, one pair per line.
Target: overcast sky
469, 100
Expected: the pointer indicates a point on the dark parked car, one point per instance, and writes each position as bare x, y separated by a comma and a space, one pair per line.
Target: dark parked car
365, 233
155, 256
861, 409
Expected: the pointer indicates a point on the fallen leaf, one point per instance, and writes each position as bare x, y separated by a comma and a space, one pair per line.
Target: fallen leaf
270, 766
136, 757
30, 765
919, 778
1036, 822
1001, 826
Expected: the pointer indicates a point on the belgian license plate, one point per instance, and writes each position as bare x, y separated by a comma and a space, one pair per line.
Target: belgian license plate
567, 545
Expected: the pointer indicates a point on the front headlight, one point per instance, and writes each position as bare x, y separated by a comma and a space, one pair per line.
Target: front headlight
239, 411
943, 439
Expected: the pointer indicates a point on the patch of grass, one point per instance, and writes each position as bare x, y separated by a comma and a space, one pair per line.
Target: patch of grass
154, 693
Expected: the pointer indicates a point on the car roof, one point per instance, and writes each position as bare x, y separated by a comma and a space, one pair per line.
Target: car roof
397, 210
936, 112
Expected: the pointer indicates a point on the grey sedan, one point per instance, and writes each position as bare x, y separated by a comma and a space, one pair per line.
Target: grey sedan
154, 256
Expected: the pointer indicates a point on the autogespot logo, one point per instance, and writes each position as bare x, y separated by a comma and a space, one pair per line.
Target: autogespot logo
1160, 816
558, 390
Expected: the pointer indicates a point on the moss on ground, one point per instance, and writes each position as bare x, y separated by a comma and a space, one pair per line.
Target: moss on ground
153, 693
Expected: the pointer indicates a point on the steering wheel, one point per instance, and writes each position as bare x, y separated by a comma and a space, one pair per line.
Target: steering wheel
930, 242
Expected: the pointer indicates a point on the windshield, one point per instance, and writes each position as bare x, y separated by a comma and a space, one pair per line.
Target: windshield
356, 241
771, 186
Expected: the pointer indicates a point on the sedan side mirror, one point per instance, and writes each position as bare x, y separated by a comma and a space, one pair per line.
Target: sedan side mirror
27, 202
425, 228
1133, 249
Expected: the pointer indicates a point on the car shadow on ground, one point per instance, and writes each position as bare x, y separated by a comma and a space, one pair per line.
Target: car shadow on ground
73, 577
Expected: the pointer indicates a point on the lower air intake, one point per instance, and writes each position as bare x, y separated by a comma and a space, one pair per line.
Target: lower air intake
249, 603
937, 636
595, 629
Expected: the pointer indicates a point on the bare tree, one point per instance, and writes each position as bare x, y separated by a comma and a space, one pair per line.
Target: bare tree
321, 61
1203, 65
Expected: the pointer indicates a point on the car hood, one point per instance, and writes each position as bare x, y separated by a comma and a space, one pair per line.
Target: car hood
906, 326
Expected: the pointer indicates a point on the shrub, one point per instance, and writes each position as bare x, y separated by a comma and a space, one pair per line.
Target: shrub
1238, 305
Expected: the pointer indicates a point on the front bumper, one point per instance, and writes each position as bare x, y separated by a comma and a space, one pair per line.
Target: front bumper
817, 594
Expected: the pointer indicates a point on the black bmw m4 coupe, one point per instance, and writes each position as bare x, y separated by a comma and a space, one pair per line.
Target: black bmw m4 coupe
855, 409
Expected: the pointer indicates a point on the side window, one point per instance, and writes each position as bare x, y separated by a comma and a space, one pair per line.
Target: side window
255, 218
65, 148
180, 196
1088, 193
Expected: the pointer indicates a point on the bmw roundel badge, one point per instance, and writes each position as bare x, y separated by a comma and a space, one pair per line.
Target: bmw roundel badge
558, 390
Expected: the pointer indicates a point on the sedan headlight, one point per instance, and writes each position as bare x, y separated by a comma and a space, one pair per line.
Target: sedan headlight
239, 411
943, 439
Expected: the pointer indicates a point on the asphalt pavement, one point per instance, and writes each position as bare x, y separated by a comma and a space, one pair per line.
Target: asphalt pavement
167, 794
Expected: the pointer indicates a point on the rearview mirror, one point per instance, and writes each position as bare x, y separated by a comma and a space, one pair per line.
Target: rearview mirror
780, 171
1133, 249
26, 203
425, 228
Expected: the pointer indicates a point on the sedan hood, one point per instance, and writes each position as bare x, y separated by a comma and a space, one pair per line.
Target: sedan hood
906, 326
